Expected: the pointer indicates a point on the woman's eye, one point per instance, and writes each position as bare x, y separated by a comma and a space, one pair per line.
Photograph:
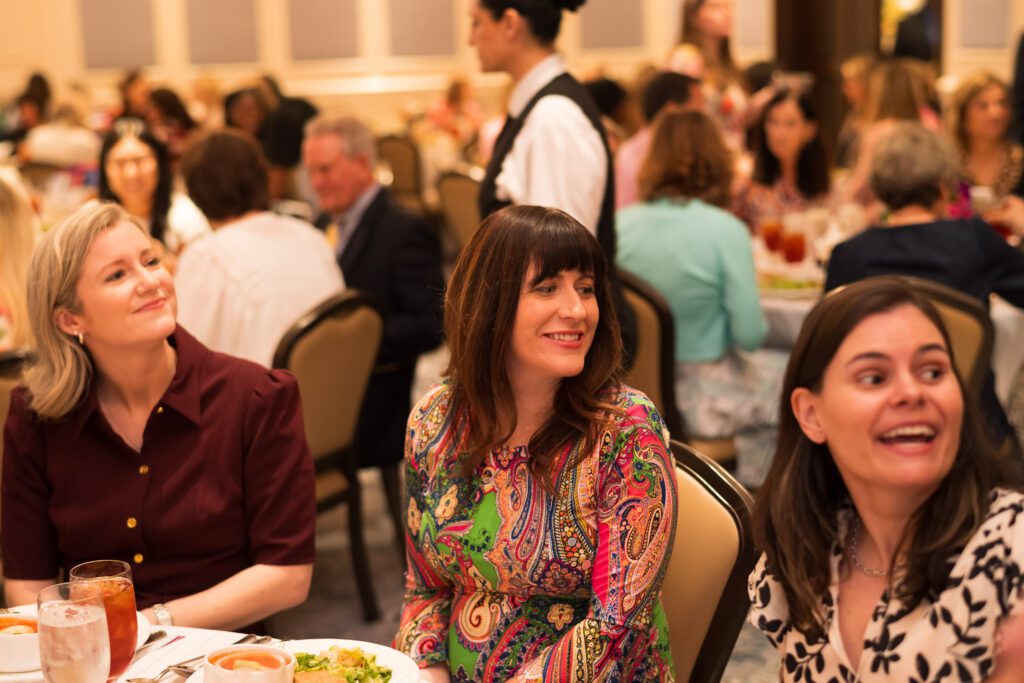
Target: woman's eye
870, 378
115, 276
933, 373
587, 290
153, 261
545, 288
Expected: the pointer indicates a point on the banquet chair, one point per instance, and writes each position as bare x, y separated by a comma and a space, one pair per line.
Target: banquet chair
970, 330
705, 590
331, 351
458, 194
654, 364
403, 157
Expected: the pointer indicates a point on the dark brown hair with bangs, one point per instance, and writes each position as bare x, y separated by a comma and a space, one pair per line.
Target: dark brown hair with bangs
795, 511
480, 311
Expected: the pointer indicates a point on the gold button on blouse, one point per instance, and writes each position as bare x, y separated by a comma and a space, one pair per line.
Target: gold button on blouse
144, 469
138, 558
159, 410
132, 523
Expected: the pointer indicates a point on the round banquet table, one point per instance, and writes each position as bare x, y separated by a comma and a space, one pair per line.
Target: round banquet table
785, 315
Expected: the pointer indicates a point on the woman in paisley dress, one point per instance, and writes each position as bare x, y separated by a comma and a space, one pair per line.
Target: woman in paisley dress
893, 537
542, 499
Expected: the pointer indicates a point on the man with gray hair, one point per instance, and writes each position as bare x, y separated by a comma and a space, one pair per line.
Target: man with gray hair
394, 257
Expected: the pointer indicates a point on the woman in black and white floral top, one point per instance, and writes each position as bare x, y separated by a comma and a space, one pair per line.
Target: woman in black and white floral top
893, 537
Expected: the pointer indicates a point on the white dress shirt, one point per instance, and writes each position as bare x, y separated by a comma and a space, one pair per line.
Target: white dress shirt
558, 159
241, 288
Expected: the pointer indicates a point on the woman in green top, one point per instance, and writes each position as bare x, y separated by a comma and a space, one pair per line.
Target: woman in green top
698, 256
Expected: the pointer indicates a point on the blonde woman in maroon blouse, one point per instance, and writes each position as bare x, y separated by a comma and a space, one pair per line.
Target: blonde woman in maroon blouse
133, 441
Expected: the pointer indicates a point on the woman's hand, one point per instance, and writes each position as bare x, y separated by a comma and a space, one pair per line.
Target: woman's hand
1009, 213
435, 674
1009, 650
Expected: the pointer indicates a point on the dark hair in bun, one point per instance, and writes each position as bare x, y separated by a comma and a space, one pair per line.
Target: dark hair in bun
544, 17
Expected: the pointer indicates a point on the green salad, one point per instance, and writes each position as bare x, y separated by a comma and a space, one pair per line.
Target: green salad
345, 664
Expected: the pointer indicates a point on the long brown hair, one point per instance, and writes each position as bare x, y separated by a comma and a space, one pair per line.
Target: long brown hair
894, 92
692, 35
687, 160
795, 511
480, 311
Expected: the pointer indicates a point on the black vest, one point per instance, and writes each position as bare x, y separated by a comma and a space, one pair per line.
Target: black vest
567, 86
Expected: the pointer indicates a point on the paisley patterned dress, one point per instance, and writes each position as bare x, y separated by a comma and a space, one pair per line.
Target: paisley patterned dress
508, 582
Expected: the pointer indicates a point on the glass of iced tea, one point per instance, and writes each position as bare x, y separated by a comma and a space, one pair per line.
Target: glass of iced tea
114, 579
770, 227
74, 646
794, 238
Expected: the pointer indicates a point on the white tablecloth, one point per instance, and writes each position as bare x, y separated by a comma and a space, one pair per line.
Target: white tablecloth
785, 316
179, 644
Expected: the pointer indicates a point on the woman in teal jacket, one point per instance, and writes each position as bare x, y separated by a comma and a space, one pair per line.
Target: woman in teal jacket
683, 242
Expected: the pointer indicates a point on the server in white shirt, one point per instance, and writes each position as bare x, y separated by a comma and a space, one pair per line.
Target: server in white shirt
553, 150
241, 288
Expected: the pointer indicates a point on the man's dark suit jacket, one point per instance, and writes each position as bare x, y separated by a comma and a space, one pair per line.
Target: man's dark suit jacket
394, 257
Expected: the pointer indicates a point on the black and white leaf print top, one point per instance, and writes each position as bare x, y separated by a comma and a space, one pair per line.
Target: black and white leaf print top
947, 639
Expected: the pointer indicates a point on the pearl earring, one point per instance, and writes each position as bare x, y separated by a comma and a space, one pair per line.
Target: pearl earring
81, 338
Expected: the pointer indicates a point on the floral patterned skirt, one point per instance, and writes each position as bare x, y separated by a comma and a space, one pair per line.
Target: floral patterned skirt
735, 396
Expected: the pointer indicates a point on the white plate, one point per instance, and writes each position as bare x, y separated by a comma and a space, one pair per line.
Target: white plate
403, 669
34, 676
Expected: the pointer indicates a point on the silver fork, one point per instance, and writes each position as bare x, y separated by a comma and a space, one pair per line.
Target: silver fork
181, 667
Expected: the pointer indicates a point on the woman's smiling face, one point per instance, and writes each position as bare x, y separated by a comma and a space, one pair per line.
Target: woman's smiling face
890, 407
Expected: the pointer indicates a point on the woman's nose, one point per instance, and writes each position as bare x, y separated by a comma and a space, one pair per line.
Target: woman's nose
908, 389
572, 306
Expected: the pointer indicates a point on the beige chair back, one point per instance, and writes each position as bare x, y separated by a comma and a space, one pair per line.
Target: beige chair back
332, 351
654, 366
970, 330
402, 155
705, 589
458, 195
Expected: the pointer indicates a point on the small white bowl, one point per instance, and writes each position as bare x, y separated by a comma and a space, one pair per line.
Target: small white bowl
19, 652
214, 673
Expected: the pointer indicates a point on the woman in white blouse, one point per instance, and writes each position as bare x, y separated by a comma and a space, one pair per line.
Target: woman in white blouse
135, 172
893, 537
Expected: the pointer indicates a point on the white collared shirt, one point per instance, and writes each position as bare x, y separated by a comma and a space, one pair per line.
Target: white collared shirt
242, 287
558, 159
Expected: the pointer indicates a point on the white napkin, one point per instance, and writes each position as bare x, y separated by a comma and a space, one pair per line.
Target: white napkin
191, 642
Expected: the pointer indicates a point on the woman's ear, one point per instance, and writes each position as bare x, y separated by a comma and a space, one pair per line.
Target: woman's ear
805, 406
68, 322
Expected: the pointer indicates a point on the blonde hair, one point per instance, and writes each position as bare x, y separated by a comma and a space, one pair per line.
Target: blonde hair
60, 377
18, 231
965, 93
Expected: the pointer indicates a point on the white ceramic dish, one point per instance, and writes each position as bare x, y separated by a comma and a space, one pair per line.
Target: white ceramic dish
403, 669
36, 676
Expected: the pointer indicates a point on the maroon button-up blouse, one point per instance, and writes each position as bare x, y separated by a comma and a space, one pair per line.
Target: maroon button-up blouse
224, 481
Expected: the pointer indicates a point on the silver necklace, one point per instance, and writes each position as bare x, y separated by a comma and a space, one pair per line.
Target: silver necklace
854, 538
